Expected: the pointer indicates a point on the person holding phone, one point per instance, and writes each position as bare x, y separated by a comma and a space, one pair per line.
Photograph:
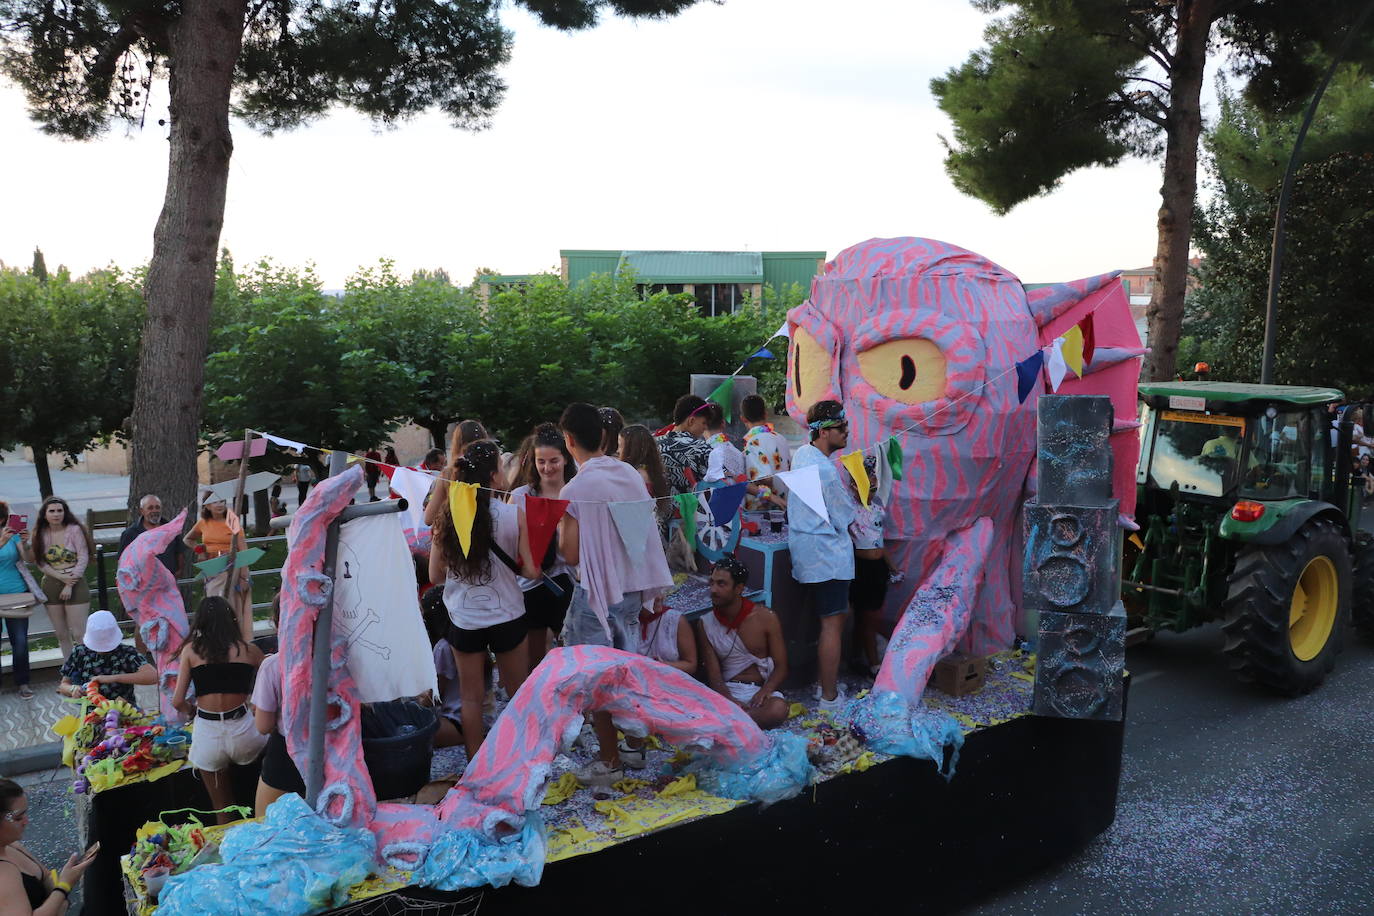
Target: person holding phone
19, 594
26, 887
62, 546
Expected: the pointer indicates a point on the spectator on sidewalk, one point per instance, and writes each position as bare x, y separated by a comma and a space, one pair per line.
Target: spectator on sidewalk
372, 473
19, 595
63, 548
150, 517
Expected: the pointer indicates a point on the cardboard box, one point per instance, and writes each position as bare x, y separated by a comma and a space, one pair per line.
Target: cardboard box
959, 675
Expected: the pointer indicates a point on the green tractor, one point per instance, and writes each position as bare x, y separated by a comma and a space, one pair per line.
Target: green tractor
1248, 514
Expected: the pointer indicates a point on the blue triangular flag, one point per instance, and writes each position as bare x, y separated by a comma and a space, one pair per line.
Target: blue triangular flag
724, 502
1028, 374
762, 353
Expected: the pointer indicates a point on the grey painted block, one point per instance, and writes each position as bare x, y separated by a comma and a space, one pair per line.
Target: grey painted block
1079, 669
1070, 558
1075, 459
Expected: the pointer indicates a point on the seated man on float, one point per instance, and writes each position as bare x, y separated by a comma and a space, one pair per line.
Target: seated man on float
741, 643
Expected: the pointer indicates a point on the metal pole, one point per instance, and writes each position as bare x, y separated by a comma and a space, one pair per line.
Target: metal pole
1271, 306
100, 584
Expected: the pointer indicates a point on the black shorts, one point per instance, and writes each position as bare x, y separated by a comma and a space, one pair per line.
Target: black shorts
499, 638
869, 588
545, 609
278, 769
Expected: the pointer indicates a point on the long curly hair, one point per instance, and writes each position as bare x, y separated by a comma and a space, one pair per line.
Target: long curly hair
464, 434
641, 452
545, 435
40, 528
214, 631
478, 464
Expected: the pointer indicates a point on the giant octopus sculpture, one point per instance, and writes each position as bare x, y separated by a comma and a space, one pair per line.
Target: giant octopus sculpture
919, 340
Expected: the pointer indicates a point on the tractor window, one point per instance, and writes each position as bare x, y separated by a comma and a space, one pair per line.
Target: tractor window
1279, 442
1198, 451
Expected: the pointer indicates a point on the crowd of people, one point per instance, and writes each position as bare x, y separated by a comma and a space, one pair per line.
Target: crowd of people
489, 604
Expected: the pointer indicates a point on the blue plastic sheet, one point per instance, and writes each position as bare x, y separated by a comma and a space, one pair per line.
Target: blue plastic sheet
781, 773
292, 864
891, 725
468, 858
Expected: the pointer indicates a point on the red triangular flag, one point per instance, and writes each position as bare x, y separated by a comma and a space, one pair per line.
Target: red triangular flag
1089, 341
541, 518
387, 469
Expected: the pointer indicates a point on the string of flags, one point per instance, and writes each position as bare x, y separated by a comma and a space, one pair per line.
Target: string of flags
1071, 352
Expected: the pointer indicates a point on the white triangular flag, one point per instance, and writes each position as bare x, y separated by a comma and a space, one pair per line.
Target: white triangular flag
633, 520
285, 443
781, 332
1055, 363
414, 487
805, 484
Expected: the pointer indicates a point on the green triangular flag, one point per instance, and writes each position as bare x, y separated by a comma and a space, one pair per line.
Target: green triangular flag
687, 504
894, 458
211, 568
723, 395
245, 558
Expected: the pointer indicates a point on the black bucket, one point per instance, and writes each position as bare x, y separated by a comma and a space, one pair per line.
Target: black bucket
398, 745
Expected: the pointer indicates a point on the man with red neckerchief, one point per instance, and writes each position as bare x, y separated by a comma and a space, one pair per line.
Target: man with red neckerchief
742, 645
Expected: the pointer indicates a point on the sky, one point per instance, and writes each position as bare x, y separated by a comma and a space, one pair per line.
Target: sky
760, 125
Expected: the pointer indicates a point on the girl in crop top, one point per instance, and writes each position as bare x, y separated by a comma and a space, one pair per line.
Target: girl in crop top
220, 664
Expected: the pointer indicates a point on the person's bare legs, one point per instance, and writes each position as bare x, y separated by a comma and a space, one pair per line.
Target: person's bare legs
537, 646
771, 714
221, 791
828, 654
514, 667
264, 797
868, 635
606, 738
447, 735
76, 619
57, 613
472, 688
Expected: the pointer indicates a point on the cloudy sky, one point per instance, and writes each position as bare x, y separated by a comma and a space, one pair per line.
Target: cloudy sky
755, 124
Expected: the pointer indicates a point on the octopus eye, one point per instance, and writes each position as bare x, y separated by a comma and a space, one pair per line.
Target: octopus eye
810, 375
911, 371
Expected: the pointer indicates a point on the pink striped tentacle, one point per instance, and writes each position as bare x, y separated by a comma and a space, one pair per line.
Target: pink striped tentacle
148, 590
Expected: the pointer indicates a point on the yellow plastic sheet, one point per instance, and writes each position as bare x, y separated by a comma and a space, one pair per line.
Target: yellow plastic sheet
574, 840
561, 789
631, 816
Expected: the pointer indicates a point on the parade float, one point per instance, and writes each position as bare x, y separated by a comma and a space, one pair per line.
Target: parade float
940, 359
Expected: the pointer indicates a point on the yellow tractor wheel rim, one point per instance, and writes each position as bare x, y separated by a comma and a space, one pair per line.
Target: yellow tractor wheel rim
1312, 614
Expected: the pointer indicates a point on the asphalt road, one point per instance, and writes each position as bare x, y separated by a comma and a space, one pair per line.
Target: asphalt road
1232, 801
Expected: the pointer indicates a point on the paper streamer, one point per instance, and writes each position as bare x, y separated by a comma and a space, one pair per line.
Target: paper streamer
285, 443
541, 518
687, 505
805, 484
724, 502
633, 522
854, 464
1056, 364
462, 505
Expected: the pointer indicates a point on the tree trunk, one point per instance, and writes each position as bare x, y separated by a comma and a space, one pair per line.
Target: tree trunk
1183, 126
205, 44
438, 432
40, 465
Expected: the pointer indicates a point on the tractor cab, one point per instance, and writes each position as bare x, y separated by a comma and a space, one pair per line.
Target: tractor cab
1246, 514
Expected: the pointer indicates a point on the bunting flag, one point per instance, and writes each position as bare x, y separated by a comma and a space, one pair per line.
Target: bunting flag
413, 486
1089, 338
687, 505
232, 521
233, 450
541, 518
462, 506
762, 353
353, 458
854, 464
246, 558
211, 568
805, 484
285, 443
895, 457
723, 396
1028, 374
1073, 350
634, 520
781, 332
1055, 364
724, 502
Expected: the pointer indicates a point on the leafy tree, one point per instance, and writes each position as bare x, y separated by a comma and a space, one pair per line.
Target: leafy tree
40, 266
279, 63
1064, 84
67, 352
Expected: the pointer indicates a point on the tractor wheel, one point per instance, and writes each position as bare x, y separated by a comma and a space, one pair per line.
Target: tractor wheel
1287, 608
1362, 587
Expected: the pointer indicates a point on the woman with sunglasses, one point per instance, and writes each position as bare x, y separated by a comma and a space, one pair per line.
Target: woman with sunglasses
26, 887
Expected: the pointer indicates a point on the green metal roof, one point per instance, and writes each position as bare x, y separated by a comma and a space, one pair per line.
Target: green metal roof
694, 266
1239, 392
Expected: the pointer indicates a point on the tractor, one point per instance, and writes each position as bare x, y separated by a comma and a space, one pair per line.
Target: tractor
1248, 514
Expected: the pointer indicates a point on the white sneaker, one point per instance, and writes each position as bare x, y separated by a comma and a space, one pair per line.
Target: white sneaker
835, 705
599, 773
633, 757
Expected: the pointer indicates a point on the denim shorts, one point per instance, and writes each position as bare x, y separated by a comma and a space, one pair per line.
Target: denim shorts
829, 597
584, 629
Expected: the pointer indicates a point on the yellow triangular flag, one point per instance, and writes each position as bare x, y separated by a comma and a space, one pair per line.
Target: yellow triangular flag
462, 505
854, 464
1073, 349
353, 458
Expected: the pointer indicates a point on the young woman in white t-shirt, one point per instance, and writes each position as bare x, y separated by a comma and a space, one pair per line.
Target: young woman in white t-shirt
545, 466
486, 608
